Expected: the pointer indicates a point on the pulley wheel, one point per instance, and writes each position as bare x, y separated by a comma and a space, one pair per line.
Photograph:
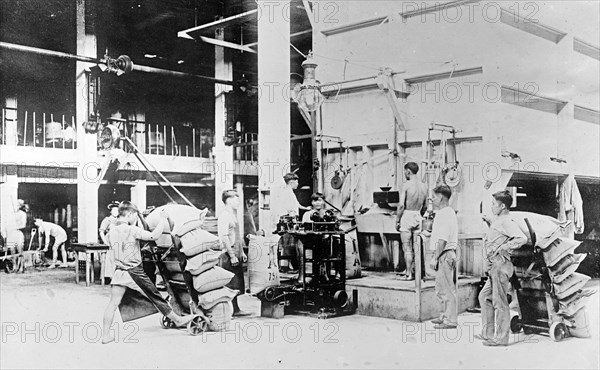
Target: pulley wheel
452, 177
270, 294
340, 298
337, 181
124, 63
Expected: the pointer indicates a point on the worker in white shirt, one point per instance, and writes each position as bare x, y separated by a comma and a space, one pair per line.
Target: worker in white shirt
444, 238
48, 229
287, 204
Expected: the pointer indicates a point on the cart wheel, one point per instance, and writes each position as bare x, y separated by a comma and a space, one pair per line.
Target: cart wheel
10, 266
558, 331
515, 324
197, 326
166, 323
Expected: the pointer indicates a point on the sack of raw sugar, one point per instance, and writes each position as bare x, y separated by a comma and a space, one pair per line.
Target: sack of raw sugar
210, 299
220, 316
546, 228
198, 241
203, 261
212, 279
263, 270
178, 215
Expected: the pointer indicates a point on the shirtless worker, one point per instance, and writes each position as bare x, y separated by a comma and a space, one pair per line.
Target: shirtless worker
413, 199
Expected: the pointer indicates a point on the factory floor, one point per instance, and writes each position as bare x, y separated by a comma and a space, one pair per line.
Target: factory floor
50, 322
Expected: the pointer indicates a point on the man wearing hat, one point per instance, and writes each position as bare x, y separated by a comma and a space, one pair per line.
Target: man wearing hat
105, 226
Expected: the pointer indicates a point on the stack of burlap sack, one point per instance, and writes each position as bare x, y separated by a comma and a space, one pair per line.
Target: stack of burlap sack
203, 251
562, 262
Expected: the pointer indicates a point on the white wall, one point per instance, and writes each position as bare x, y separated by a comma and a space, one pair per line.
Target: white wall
509, 56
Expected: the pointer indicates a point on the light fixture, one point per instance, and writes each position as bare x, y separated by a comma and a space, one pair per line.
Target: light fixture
109, 138
308, 94
150, 56
180, 61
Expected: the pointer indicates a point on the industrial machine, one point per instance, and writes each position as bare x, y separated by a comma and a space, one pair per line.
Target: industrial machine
321, 287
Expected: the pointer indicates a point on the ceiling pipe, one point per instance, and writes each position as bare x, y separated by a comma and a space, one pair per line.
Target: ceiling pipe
81, 58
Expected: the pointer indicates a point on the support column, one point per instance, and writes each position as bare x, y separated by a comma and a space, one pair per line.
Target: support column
138, 194
223, 155
273, 106
87, 160
8, 199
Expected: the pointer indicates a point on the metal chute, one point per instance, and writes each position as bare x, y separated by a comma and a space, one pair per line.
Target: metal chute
109, 140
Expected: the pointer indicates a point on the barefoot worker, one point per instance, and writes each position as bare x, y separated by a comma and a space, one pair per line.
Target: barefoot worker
413, 198
129, 275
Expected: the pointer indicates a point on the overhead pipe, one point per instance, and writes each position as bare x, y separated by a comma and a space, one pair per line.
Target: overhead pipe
81, 58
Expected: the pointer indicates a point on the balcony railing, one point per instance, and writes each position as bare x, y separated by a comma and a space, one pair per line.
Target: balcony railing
34, 129
247, 149
168, 140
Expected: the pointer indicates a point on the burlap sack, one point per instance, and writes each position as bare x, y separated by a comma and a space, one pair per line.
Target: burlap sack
546, 228
203, 261
566, 266
220, 316
187, 227
198, 241
570, 285
210, 299
263, 270
581, 324
212, 279
558, 249
573, 305
178, 214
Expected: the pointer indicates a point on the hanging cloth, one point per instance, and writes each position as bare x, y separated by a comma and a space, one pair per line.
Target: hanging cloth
571, 205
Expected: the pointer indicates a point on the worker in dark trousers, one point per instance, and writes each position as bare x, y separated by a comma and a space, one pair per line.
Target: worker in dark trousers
124, 238
503, 236
444, 238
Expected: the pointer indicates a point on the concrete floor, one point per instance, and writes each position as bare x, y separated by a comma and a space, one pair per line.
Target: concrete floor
49, 322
